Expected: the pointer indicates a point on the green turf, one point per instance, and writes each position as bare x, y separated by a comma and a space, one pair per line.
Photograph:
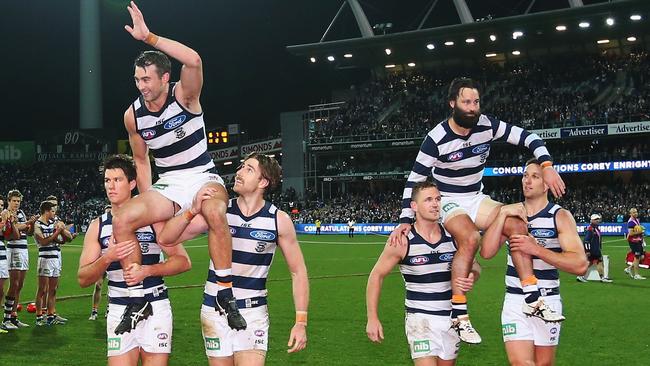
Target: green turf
606, 323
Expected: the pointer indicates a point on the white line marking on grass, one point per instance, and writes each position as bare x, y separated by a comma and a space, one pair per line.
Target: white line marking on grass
336, 242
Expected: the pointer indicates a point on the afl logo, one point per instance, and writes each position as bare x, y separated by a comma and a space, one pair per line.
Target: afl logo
173, 123
148, 134
455, 156
542, 233
447, 257
162, 336
144, 236
233, 231
259, 333
262, 235
480, 149
106, 241
420, 259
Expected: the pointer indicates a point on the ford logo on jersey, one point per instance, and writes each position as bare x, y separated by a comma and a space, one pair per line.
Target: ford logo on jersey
148, 134
480, 149
455, 156
420, 259
262, 235
144, 236
542, 233
447, 257
175, 122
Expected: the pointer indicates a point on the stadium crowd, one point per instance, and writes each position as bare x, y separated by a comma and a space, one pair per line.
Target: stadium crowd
534, 94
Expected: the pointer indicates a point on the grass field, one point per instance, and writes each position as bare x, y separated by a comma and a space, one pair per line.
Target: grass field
605, 325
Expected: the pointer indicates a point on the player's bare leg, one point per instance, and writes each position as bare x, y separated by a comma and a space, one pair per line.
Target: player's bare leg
213, 211
467, 238
140, 211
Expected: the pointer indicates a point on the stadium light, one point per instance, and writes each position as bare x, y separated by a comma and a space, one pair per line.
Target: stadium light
348, 55
493, 37
470, 40
312, 59
635, 17
602, 41
430, 46
389, 66
631, 39
517, 34
516, 53
411, 64
449, 43
490, 55
388, 51
609, 21
560, 28
228, 163
584, 25
330, 58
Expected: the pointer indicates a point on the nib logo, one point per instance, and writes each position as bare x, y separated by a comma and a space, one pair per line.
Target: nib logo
114, 344
421, 346
9, 152
212, 344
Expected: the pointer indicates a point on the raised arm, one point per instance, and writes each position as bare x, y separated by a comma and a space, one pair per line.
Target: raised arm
388, 259
290, 248
518, 136
572, 259
189, 89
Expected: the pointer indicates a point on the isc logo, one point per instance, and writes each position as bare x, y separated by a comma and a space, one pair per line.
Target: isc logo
421, 346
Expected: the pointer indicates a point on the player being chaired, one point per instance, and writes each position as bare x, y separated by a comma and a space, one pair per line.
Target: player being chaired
454, 152
167, 119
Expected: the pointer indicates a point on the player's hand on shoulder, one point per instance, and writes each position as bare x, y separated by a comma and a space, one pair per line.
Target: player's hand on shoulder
399, 235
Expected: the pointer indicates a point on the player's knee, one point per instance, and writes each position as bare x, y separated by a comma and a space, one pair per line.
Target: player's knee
514, 226
214, 210
469, 242
122, 221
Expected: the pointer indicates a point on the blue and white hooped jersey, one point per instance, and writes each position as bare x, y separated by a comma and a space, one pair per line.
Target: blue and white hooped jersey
3, 248
154, 287
254, 240
21, 243
52, 250
426, 270
456, 162
175, 136
543, 227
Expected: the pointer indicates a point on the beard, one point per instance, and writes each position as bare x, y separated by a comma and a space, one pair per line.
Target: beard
466, 120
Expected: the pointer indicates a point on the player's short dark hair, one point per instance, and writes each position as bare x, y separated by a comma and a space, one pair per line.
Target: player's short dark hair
14, 193
2, 198
532, 161
460, 83
420, 187
51, 198
121, 161
269, 168
148, 58
46, 206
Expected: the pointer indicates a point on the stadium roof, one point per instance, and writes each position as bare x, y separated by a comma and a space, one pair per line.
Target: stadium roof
559, 24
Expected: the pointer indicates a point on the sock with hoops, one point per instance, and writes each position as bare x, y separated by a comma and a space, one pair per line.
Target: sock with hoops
458, 306
530, 288
9, 304
224, 283
136, 293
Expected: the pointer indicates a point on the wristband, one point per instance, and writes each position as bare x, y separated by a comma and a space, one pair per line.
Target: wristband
301, 317
188, 215
152, 39
546, 164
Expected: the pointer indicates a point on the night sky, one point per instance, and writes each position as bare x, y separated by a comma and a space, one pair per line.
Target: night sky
249, 77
